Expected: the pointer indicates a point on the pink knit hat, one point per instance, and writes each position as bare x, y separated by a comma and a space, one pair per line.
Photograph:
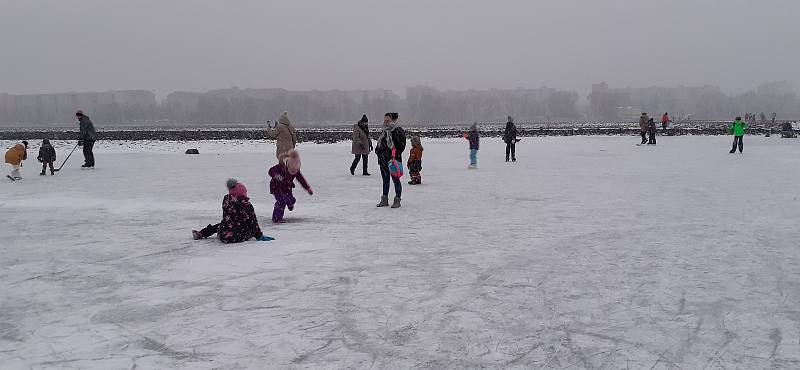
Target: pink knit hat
236, 188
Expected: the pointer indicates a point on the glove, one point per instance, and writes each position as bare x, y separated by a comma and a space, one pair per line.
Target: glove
265, 238
310, 191
39, 159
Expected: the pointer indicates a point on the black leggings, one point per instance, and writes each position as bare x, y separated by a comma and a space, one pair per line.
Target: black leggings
511, 147
209, 230
737, 140
355, 162
644, 137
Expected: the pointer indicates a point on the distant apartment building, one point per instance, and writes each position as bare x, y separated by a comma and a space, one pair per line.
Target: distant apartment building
59, 108
618, 103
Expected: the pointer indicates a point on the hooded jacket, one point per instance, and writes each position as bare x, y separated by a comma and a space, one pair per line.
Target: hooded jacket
87, 129
47, 153
284, 134
738, 127
510, 133
282, 182
16, 154
362, 144
239, 221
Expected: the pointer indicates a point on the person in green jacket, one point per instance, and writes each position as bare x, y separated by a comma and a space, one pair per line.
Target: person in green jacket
737, 129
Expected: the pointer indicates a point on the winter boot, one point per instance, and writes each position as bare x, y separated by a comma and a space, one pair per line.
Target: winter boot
290, 207
43, 173
352, 171
396, 203
366, 174
384, 201
196, 235
52, 172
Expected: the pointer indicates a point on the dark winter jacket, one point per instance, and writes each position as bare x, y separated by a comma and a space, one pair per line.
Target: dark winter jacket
239, 221
385, 154
474, 140
651, 126
47, 153
87, 130
510, 134
282, 181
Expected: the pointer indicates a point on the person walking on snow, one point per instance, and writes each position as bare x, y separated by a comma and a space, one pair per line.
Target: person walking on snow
737, 129
651, 129
510, 138
14, 156
239, 221
87, 138
47, 155
284, 134
643, 124
281, 184
362, 145
665, 121
415, 161
474, 139
391, 144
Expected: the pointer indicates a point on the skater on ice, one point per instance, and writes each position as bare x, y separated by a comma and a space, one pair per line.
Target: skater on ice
415, 161
390, 147
737, 129
281, 184
14, 156
510, 138
643, 124
665, 121
474, 139
87, 138
362, 145
651, 130
239, 221
47, 155
284, 134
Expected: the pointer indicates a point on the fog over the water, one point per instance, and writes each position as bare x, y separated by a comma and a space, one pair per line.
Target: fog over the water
193, 45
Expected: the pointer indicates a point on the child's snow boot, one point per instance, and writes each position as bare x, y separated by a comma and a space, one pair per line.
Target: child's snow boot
196, 235
384, 201
396, 203
43, 173
290, 207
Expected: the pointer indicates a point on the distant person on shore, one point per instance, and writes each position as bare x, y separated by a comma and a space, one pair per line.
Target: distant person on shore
14, 156
284, 134
87, 138
362, 145
665, 121
774, 115
415, 161
389, 151
281, 183
47, 155
239, 221
737, 129
643, 124
510, 138
474, 139
651, 130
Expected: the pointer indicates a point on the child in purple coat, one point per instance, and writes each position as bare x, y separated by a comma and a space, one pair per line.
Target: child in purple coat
283, 175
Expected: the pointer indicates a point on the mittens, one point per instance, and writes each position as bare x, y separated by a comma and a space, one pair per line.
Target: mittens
265, 238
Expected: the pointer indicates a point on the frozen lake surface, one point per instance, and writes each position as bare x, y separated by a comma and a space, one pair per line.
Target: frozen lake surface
590, 252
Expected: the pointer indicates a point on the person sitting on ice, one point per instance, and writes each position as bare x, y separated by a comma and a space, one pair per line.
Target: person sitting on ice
14, 157
283, 175
239, 222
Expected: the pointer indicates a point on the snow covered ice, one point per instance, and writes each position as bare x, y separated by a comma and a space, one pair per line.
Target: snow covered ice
589, 252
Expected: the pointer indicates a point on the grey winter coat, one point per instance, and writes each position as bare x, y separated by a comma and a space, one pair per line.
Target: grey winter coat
362, 144
87, 130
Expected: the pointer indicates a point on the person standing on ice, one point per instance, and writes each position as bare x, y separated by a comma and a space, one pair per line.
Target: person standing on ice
284, 134
362, 145
391, 144
415, 161
474, 139
281, 184
643, 124
665, 121
510, 138
737, 129
87, 138
47, 155
14, 156
239, 221
651, 130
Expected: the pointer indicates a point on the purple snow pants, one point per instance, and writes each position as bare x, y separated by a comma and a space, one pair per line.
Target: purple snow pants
282, 201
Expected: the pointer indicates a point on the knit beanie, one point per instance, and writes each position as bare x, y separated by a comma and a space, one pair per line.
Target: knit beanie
231, 183
284, 118
510, 119
364, 119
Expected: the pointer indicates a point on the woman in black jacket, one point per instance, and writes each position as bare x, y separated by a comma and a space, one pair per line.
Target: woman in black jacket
391, 144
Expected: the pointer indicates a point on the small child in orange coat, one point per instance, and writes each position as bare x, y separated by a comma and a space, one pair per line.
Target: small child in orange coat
415, 161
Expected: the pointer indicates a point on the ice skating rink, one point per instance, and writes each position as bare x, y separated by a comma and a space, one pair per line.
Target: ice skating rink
590, 252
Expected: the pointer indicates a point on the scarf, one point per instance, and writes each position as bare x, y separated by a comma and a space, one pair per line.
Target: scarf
387, 133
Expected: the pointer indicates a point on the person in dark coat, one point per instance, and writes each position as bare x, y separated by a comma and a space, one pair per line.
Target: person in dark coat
87, 138
474, 139
281, 184
510, 138
47, 155
362, 145
239, 221
391, 145
651, 130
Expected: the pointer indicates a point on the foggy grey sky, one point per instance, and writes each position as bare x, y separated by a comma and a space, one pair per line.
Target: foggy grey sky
194, 45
